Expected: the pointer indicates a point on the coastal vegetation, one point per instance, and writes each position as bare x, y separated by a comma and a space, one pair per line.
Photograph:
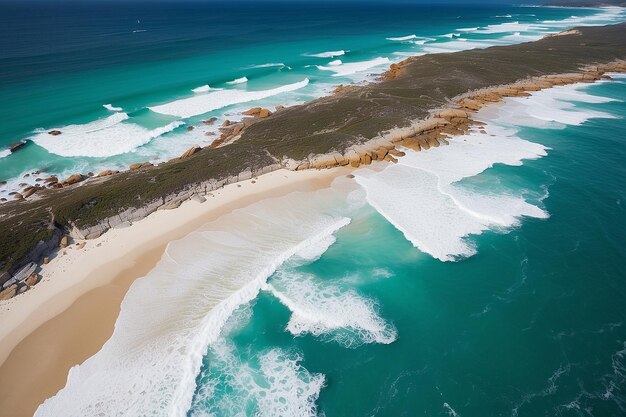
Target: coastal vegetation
355, 125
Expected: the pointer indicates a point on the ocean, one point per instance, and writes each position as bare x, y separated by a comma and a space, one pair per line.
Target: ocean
483, 278
124, 82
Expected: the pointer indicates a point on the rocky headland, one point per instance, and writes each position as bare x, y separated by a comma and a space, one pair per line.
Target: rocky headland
419, 103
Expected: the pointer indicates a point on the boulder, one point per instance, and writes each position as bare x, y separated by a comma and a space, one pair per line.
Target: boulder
46, 260
73, 179
32, 279
18, 196
64, 241
210, 121
190, 128
16, 146
54, 132
471, 104
106, 173
189, 152
226, 123
264, 113
8, 292
139, 165
253, 111
30, 191
452, 113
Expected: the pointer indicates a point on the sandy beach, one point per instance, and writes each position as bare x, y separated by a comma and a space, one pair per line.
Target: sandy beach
68, 316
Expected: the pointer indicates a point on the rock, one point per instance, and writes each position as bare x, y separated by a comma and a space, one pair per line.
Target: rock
350, 176
54, 132
451, 113
31, 191
226, 123
46, 260
264, 113
199, 198
51, 180
32, 279
73, 179
25, 272
396, 152
64, 242
381, 153
18, 196
190, 128
16, 146
191, 151
390, 158
139, 165
9, 292
253, 111
81, 245
210, 121
107, 172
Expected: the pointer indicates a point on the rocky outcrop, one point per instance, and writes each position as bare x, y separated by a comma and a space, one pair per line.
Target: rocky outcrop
54, 132
138, 165
73, 179
17, 146
189, 152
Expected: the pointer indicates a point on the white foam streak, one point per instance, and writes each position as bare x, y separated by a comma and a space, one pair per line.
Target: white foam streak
202, 89
110, 107
101, 138
350, 68
402, 38
148, 367
200, 104
329, 54
241, 80
268, 65
4, 153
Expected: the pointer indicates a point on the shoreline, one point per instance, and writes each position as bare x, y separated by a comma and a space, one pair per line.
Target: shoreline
74, 318
42, 314
83, 320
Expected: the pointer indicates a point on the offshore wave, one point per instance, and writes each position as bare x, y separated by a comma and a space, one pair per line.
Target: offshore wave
101, 138
343, 69
218, 99
329, 54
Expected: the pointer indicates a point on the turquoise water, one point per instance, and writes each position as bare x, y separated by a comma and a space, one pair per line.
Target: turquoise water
531, 325
135, 58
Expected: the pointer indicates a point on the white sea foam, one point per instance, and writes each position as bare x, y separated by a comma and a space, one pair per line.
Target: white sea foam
335, 62
111, 107
277, 386
200, 104
4, 153
328, 311
268, 65
202, 89
241, 80
402, 38
350, 68
101, 138
149, 365
554, 107
468, 29
329, 54
420, 197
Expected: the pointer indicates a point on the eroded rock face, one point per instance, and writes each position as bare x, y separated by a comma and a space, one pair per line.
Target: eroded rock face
189, 152
139, 165
9, 292
16, 146
106, 173
73, 179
